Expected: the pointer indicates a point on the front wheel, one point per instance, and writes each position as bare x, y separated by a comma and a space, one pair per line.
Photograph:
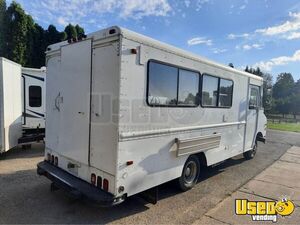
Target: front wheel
250, 154
190, 173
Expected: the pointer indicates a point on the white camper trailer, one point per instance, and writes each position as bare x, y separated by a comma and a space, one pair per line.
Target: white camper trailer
33, 84
127, 113
10, 104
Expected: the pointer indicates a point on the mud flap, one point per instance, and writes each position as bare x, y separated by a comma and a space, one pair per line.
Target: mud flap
150, 195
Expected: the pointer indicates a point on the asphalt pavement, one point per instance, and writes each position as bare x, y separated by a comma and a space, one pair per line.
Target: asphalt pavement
25, 197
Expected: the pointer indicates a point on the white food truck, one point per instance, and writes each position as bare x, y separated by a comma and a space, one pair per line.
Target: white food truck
127, 113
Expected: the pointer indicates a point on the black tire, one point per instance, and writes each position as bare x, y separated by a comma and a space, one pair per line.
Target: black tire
250, 154
190, 173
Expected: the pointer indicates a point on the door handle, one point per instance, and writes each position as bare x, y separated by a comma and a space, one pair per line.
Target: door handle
58, 100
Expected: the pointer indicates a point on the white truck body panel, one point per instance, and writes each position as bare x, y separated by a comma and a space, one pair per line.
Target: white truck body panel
10, 104
117, 126
33, 114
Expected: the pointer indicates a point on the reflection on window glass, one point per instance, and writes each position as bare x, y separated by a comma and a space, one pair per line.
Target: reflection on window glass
225, 96
35, 96
188, 87
253, 102
209, 90
162, 84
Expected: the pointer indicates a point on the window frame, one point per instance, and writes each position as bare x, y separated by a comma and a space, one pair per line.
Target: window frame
177, 91
259, 97
41, 96
218, 97
231, 100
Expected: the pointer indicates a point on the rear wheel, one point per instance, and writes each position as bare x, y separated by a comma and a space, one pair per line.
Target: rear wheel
250, 154
190, 173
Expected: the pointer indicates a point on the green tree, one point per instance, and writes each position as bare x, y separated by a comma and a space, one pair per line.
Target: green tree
283, 105
37, 53
283, 86
63, 36
267, 92
80, 31
16, 33
247, 69
295, 99
2, 26
256, 71
53, 35
30, 48
71, 31
24, 41
282, 93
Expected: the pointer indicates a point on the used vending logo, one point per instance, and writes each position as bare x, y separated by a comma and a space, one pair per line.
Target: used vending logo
264, 210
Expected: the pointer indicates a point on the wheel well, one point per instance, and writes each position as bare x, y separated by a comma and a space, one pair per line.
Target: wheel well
202, 158
260, 137
259, 134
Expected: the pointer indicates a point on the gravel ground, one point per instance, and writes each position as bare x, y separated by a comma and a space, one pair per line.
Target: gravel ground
26, 198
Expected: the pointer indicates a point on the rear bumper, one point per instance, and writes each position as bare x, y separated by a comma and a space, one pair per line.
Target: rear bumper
76, 186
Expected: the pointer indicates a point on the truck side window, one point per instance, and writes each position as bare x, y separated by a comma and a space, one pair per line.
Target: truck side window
225, 96
35, 96
216, 92
188, 88
254, 98
172, 86
162, 89
210, 90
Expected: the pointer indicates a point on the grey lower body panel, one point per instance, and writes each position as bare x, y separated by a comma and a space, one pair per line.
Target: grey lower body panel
76, 186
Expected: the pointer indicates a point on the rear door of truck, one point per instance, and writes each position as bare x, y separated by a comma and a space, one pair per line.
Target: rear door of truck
73, 101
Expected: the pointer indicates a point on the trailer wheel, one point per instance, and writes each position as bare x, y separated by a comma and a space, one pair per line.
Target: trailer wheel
250, 154
190, 173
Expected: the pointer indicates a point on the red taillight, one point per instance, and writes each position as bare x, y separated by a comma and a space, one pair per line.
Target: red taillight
128, 163
48, 157
99, 182
56, 161
52, 159
105, 185
93, 179
133, 51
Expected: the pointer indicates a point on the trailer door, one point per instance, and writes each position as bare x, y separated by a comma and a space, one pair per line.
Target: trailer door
73, 101
252, 115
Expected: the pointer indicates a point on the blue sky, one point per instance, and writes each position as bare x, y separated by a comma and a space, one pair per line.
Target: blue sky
263, 33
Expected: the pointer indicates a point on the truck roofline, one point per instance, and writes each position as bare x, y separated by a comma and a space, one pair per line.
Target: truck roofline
131, 35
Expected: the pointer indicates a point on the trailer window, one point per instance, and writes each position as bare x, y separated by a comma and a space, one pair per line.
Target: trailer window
162, 84
225, 93
188, 88
210, 90
35, 96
